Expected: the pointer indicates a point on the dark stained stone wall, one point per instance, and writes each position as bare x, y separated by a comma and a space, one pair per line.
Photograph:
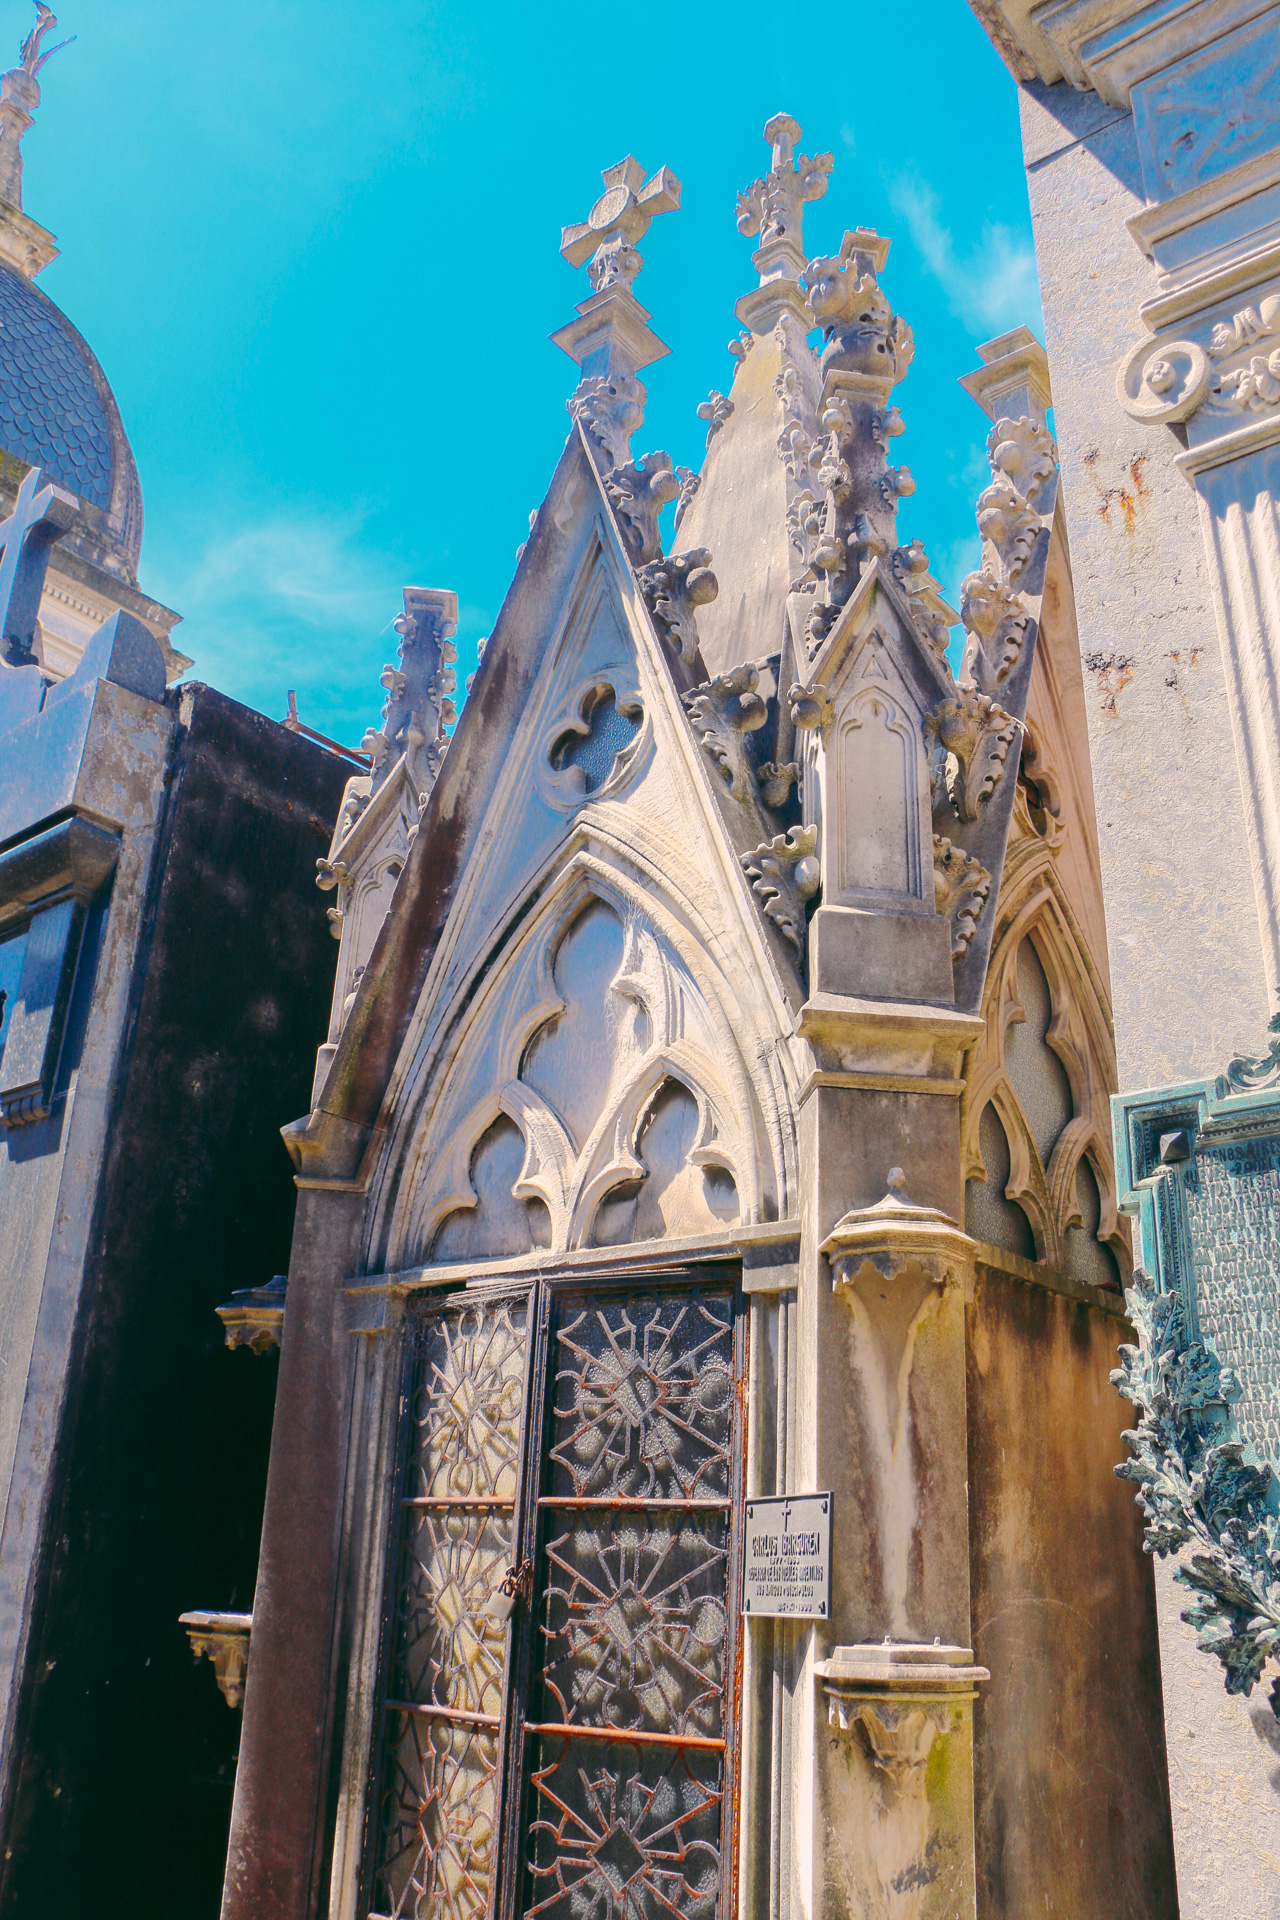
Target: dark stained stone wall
127, 1748
1070, 1788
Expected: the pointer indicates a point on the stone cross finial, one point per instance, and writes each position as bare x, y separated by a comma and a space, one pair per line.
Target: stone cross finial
773, 207
40, 516
19, 98
619, 219
611, 338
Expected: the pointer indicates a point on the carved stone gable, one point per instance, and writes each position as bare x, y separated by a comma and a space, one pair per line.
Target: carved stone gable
861, 702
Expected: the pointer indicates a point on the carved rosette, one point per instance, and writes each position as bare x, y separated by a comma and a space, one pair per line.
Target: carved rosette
1233, 374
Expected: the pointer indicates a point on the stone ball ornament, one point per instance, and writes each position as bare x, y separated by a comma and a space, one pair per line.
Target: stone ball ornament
1163, 381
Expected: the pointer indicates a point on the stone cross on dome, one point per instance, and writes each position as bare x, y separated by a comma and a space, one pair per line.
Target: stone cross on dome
40, 516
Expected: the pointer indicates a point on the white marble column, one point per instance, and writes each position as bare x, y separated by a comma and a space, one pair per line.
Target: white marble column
1241, 519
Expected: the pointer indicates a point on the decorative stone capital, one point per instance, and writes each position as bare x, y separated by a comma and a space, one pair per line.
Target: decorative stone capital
903, 1796
224, 1638
896, 1238
254, 1317
900, 1695
1013, 378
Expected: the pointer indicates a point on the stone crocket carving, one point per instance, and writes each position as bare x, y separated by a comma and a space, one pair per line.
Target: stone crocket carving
961, 886
972, 737
723, 712
785, 874
674, 588
867, 349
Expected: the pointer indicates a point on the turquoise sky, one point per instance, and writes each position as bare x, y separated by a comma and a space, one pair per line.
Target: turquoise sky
315, 247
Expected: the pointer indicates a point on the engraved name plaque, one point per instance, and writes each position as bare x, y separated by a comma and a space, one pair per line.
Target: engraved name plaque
787, 1570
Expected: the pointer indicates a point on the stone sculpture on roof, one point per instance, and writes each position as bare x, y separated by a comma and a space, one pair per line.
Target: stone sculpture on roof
58, 413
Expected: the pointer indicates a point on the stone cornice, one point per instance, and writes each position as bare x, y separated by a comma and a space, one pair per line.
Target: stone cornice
1109, 46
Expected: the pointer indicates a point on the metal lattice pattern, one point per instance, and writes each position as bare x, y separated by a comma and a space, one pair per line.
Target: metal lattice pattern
620, 1757
467, 1403
449, 1650
439, 1817
441, 1793
624, 1832
644, 1399
635, 1629
627, 1757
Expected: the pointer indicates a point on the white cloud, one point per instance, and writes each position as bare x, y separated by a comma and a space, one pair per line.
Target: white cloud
991, 284
295, 601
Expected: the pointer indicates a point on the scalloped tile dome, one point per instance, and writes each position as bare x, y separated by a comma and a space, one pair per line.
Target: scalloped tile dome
51, 413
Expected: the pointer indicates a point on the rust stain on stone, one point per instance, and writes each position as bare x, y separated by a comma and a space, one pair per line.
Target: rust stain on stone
1126, 499
1112, 673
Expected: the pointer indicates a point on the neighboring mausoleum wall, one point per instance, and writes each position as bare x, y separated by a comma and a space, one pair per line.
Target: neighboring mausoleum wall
135, 1445
1152, 146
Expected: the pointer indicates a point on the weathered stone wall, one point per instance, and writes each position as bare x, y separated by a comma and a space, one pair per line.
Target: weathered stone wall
1072, 1812
1182, 920
1187, 966
161, 1459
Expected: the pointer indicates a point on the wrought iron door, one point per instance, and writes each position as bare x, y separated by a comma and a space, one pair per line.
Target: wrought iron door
582, 1769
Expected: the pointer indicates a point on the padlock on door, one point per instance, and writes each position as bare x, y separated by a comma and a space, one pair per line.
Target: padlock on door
515, 1585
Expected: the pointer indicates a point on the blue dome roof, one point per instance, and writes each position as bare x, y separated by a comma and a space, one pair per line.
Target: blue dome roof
58, 413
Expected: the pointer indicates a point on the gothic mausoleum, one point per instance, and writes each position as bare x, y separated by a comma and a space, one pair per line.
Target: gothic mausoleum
691, 1483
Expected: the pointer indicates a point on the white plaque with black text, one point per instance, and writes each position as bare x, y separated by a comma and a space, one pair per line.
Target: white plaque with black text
788, 1557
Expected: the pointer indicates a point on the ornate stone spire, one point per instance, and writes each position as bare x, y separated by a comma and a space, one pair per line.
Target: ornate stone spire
23, 243
773, 209
611, 339
418, 707
867, 349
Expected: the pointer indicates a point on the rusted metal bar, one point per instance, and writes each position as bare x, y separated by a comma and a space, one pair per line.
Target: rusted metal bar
634, 1506
619, 1737
431, 1712
443, 1504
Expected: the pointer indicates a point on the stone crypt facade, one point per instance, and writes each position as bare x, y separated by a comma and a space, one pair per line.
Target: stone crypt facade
714, 1106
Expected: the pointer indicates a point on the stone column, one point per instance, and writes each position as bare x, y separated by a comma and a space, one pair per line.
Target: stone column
905, 1714
882, 1423
1241, 520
